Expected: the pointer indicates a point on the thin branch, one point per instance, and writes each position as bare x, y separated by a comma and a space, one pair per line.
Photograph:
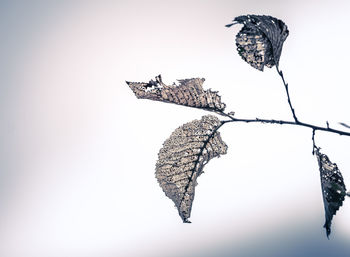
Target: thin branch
281, 122
296, 122
345, 125
287, 91
313, 142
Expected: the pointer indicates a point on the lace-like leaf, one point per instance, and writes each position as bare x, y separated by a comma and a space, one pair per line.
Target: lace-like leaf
182, 158
261, 39
188, 93
333, 188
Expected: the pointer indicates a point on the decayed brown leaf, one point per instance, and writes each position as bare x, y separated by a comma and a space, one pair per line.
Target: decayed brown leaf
188, 93
182, 158
261, 39
333, 188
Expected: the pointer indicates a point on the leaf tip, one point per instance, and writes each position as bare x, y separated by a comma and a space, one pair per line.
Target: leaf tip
231, 24
327, 226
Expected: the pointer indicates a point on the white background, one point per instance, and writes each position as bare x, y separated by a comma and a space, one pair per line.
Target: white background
78, 150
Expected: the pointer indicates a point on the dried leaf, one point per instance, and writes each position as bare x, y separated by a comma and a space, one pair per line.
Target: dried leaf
182, 158
333, 188
188, 93
261, 39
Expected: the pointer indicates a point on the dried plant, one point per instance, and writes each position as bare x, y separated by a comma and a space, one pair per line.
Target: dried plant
194, 144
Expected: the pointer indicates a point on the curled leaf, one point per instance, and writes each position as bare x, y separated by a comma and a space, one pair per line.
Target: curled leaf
188, 93
333, 188
261, 39
182, 158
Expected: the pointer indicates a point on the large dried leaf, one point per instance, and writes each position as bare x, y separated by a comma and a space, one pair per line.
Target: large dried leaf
333, 188
261, 39
188, 93
182, 158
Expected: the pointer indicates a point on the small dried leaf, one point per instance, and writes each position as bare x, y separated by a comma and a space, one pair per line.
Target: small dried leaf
261, 39
188, 93
333, 188
182, 158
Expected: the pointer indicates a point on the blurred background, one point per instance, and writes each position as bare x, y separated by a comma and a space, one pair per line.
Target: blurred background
78, 150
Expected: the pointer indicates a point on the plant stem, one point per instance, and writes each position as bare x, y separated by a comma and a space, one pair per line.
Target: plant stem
287, 91
296, 122
313, 142
281, 122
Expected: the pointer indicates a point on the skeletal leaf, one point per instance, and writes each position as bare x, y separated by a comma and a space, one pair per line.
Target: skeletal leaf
333, 188
188, 93
182, 158
261, 39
